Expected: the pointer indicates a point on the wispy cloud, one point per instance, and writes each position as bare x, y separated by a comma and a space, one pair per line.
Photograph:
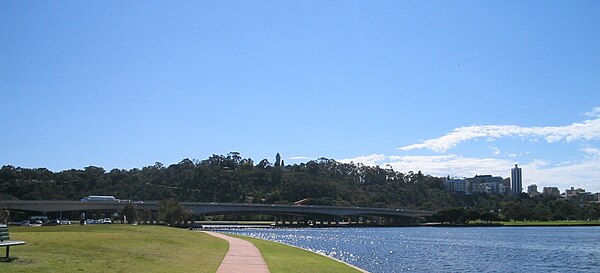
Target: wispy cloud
496, 150
585, 130
372, 160
591, 151
299, 158
595, 113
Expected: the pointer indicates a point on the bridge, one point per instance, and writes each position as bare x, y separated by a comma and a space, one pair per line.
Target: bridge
283, 212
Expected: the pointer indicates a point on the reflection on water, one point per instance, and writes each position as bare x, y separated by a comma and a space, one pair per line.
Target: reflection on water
436, 249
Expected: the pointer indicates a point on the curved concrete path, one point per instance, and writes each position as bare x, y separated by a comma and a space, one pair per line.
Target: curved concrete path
242, 256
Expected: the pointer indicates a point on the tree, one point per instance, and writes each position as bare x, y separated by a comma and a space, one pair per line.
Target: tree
171, 211
277, 160
451, 215
489, 216
129, 211
146, 216
263, 164
471, 215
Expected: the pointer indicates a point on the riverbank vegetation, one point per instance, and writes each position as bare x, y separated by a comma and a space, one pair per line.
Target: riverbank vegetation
113, 248
523, 209
233, 179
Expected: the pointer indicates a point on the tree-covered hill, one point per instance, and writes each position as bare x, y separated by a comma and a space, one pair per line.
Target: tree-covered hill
233, 179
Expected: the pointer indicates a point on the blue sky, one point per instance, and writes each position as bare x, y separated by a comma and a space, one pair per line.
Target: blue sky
449, 88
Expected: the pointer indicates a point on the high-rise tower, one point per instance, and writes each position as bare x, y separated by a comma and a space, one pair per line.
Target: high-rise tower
517, 182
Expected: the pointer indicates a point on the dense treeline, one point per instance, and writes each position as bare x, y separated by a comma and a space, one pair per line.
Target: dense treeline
233, 179
522, 208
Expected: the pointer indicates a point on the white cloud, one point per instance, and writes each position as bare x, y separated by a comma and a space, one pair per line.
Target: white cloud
372, 160
452, 165
584, 174
299, 158
515, 155
592, 151
438, 165
496, 150
569, 172
595, 113
585, 130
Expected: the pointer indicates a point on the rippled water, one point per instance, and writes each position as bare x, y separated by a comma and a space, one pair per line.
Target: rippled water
437, 249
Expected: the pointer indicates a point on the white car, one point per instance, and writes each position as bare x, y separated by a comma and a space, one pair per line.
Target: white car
106, 221
65, 222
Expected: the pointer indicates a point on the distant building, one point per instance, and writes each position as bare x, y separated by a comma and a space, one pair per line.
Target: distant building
486, 184
551, 192
517, 182
506, 184
579, 195
456, 184
532, 190
570, 193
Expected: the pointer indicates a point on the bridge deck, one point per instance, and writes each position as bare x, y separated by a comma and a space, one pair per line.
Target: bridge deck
217, 208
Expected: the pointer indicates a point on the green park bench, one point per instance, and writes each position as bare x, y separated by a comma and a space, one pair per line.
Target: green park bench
5, 240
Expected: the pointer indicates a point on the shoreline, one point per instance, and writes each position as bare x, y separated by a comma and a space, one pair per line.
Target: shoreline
301, 248
241, 224
520, 224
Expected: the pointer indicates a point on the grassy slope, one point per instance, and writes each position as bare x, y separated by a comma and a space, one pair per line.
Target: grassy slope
283, 258
113, 248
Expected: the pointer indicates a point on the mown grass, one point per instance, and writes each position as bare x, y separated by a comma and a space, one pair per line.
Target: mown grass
551, 223
113, 248
284, 258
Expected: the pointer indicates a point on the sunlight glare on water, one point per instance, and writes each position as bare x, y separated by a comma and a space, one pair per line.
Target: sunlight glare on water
429, 249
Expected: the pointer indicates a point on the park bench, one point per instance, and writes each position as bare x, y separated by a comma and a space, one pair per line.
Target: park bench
5, 240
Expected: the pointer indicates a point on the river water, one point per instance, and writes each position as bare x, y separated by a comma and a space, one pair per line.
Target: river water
445, 249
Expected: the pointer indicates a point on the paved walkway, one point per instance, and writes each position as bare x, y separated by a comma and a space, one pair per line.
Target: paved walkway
242, 256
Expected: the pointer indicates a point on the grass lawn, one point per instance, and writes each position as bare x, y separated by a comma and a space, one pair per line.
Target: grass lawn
283, 258
550, 223
113, 248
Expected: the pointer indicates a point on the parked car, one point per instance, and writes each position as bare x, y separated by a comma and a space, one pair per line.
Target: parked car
65, 222
107, 221
90, 222
53, 222
25, 223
